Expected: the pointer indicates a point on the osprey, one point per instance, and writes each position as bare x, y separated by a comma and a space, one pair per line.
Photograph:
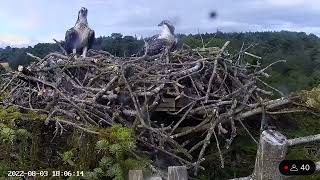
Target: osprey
165, 41
79, 38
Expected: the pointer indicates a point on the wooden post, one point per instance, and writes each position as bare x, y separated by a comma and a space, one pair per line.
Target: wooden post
155, 178
177, 173
271, 151
135, 175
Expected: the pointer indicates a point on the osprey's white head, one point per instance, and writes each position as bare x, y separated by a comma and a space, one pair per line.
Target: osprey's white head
167, 24
168, 31
20, 68
82, 16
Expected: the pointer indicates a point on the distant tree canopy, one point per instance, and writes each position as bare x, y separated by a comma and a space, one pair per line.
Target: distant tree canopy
119, 45
302, 52
18, 56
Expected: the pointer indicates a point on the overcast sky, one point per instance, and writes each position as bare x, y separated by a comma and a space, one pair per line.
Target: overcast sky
27, 22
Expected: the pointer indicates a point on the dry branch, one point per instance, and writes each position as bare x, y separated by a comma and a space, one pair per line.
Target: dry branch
304, 140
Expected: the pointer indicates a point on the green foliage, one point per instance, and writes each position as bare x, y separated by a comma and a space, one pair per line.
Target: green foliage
68, 157
103, 145
105, 157
7, 134
10, 114
115, 146
17, 56
13, 143
239, 159
312, 97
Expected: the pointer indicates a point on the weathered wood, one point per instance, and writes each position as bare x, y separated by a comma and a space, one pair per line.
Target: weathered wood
155, 178
167, 104
271, 151
6, 66
177, 173
135, 175
303, 140
243, 178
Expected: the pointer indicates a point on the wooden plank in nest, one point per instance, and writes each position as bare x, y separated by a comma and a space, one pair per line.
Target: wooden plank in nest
6, 66
167, 104
135, 175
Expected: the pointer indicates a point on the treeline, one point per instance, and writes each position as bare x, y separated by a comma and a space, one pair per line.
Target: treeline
302, 52
116, 44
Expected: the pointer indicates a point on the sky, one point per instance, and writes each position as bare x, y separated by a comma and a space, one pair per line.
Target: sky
28, 22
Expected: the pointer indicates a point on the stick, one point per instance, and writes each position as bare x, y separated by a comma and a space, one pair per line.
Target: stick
215, 69
61, 48
304, 140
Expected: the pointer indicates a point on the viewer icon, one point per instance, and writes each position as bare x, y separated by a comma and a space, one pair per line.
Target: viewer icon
294, 168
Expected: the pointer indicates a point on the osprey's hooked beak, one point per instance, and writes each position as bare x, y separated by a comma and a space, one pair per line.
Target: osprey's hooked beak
161, 24
83, 12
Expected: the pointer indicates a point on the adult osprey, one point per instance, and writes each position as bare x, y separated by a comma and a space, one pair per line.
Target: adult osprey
79, 38
165, 41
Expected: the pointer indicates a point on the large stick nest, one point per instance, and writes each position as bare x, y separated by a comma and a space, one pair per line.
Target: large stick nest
197, 90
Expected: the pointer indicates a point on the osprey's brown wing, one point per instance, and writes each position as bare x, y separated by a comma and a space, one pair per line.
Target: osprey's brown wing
174, 45
156, 46
71, 40
91, 38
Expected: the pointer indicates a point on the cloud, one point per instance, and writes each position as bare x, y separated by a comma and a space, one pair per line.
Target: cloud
309, 4
286, 3
42, 20
14, 40
49, 38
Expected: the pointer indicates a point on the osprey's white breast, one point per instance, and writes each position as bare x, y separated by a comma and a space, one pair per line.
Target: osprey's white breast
166, 34
83, 32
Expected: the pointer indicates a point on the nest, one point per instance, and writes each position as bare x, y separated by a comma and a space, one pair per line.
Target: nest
202, 90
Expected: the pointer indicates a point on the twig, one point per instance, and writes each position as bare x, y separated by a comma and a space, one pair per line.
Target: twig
214, 71
61, 48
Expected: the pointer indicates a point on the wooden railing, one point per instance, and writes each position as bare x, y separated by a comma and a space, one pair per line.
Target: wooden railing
174, 173
271, 151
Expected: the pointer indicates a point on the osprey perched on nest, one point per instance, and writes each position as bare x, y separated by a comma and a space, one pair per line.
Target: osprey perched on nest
79, 38
165, 41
